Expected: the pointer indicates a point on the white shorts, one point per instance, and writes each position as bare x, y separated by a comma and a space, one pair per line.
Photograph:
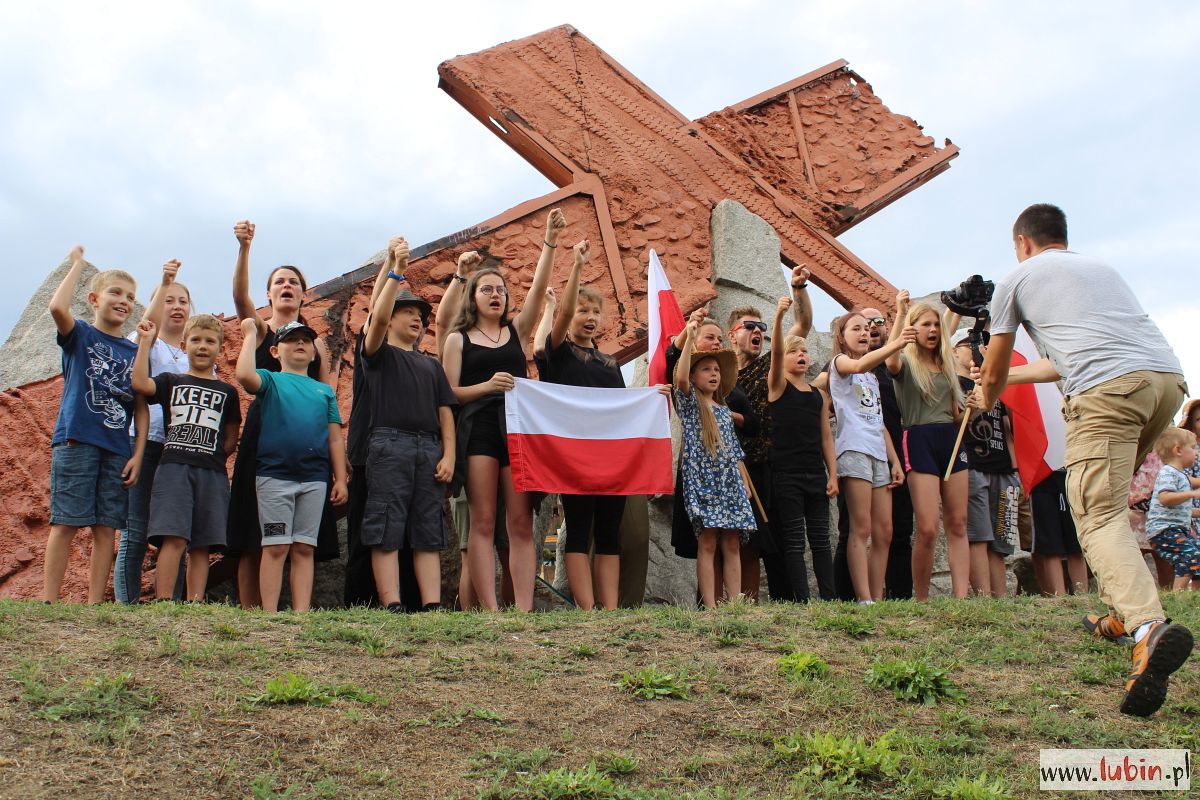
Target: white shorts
853, 464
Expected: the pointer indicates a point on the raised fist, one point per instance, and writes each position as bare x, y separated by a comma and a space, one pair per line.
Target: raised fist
908, 335
784, 304
76, 254
551, 298
901, 302
146, 329
555, 223
583, 251
800, 275
699, 315
398, 247
170, 270
244, 231
250, 328
468, 262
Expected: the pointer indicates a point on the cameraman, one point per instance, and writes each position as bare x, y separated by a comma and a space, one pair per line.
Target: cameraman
1122, 384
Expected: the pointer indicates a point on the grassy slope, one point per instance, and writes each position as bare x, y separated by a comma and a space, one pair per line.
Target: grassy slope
155, 701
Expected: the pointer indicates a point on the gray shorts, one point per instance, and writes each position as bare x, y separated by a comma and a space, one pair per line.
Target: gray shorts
404, 501
289, 512
191, 503
993, 510
853, 464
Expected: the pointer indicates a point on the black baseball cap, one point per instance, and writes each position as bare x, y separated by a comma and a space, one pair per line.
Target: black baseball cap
294, 328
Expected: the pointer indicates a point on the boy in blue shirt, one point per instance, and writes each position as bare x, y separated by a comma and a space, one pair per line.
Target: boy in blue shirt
300, 444
92, 463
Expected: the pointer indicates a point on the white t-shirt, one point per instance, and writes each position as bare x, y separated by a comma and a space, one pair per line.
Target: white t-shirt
859, 412
163, 358
1082, 316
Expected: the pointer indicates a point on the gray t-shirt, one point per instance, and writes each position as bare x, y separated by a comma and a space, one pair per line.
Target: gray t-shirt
1161, 517
1081, 315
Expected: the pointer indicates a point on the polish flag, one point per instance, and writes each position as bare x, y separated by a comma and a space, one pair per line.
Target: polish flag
664, 317
585, 440
1039, 431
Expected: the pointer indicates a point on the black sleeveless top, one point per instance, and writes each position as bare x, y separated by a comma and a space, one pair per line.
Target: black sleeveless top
796, 431
480, 363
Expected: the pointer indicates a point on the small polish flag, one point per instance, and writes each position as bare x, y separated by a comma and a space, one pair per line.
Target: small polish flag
664, 317
1039, 431
585, 440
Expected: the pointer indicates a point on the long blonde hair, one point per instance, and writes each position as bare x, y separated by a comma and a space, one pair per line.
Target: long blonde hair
921, 373
710, 434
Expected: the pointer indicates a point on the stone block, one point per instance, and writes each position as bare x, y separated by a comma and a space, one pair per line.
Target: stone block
32, 353
745, 261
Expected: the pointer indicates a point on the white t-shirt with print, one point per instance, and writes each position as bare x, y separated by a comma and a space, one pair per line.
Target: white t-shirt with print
859, 412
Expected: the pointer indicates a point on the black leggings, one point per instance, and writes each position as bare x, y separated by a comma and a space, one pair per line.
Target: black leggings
801, 510
599, 514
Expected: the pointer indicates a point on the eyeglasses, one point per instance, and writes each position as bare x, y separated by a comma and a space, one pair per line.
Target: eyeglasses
752, 325
489, 290
878, 322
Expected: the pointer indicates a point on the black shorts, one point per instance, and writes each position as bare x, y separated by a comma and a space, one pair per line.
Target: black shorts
1053, 526
404, 501
929, 448
488, 435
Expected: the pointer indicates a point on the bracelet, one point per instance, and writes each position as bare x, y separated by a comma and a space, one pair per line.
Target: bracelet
799, 286
459, 278
395, 277
551, 246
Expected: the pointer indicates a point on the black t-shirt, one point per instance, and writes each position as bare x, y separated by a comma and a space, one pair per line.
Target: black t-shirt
573, 365
985, 440
405, 389
359, 428
196, 412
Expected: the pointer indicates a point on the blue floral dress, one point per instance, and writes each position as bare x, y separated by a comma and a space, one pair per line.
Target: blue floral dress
713, 492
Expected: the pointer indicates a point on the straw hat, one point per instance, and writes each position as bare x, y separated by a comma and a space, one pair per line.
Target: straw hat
727, 359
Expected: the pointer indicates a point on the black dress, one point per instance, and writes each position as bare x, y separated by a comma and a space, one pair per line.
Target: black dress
243, 532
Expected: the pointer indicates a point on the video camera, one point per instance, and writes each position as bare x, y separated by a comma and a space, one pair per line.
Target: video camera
970, 298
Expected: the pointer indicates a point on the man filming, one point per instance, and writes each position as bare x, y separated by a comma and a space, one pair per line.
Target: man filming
1122, 384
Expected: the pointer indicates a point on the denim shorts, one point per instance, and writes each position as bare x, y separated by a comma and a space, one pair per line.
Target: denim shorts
404, 500
86, 487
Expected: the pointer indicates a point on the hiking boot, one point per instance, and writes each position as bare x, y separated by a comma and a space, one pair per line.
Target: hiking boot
1160, 652
1107, 627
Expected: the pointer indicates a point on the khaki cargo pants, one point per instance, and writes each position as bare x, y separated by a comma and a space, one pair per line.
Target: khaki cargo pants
1110, 429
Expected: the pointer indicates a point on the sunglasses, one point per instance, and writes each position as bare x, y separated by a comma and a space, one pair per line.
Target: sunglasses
752, 325
878, 322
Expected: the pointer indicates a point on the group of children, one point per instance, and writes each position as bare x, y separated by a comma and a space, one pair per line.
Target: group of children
146, 429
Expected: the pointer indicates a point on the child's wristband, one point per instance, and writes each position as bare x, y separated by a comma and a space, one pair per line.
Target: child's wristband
396, 277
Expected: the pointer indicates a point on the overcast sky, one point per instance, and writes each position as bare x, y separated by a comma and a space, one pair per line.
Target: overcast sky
145, 131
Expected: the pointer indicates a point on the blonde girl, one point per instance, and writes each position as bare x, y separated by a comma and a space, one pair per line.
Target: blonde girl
931, 406
716, 492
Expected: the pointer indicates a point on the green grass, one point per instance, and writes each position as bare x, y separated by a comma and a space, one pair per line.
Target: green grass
914, 679
651, 683
360, 703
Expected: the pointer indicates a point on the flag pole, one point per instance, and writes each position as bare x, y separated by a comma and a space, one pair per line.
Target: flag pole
753, 493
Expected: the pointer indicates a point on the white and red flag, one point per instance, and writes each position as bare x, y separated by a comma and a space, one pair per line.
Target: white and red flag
664, 318
585, 440
1039, 432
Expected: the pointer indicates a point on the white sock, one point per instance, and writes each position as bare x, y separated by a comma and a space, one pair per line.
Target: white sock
1143, 629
